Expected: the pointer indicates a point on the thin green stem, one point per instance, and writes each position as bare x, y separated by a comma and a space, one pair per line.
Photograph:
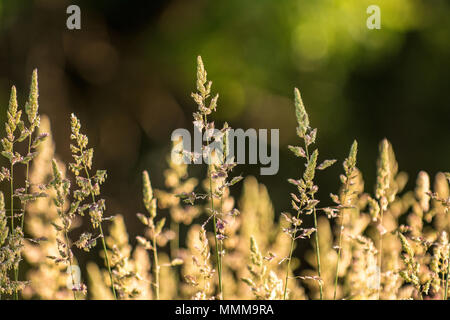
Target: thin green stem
12, 197
339, 257
448, 273
318, 254
156, 266
218, 255
216, 242
289, 260
69, 254
380, 253
16, 274
317, 249
319, 269
103, 239
22, 218
26, 183
341, 229
107, 261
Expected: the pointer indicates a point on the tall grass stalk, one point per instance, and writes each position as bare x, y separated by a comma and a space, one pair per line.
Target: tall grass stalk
445, 202
319, 267
25, 203
102, 236
156, 229
16, 271
66, 214
448, 274
380, 254
305, 202
447, 205
384, 195
291, 250
349, 166
205, 108
70, 264
83, 157
156, 267
317, 247
341, 229
11, 125
27, 183
31, 110
216, 240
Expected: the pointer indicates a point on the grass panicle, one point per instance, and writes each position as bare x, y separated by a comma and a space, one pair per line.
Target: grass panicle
220, 165
347, 180
18, 131
155, 232
88, 187
304, 202
66, 215
263, 282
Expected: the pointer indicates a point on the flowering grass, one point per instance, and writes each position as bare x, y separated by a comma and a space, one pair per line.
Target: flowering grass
392, 244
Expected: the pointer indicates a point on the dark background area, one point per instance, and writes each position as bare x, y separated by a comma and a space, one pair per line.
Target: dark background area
128, 74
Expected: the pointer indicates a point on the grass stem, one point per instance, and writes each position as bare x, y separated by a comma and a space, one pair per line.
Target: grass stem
16, 273
318, 254
22, 218
289, 261
103, 239
448, 273
316, 239
341, 229
156, 267
69, 254
216, 242
380, 253
317, 249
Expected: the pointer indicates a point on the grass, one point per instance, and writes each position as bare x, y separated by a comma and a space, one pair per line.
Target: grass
213, 245
349, 167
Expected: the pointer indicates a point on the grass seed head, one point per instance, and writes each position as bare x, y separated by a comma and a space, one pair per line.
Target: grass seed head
32, 105
300, 112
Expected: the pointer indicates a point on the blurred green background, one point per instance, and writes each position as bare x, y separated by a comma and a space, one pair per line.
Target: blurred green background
129, 71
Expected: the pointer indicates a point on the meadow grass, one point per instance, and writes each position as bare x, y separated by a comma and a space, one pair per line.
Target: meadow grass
392, 244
